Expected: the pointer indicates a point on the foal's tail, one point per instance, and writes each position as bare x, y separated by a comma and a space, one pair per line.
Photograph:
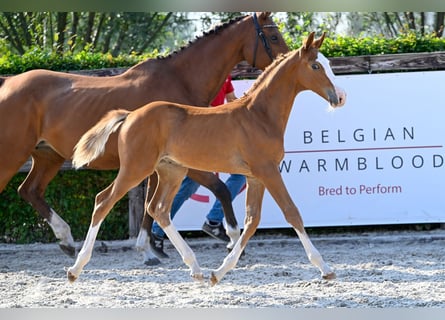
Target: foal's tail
92, 143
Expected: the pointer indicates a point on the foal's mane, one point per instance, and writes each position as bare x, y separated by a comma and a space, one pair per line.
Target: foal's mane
269, 69
206, 34
280, 58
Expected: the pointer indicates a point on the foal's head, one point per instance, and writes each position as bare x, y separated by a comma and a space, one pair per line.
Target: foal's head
317, 75
265, 42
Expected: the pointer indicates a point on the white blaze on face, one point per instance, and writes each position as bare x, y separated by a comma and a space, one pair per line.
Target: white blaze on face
327, 66
341, 94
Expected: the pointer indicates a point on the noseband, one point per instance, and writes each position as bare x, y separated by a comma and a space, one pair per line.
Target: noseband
262, 36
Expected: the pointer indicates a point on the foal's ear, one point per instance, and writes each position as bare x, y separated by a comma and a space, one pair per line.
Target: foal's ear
307, 42
318, 42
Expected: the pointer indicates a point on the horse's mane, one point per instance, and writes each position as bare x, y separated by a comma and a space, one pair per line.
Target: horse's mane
280, 58
214, 30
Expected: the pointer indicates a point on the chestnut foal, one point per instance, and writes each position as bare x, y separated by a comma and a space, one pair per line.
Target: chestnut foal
245, 136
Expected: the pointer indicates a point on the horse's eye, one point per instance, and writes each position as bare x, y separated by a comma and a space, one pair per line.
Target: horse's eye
315, 66
274, 38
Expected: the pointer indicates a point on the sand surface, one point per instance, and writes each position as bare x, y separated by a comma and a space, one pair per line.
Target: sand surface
374, 269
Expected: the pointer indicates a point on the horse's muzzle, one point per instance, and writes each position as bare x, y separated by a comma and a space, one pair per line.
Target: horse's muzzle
337, 98
332, 98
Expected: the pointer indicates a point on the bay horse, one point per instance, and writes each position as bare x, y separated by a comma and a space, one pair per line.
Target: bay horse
44, 113
245, 136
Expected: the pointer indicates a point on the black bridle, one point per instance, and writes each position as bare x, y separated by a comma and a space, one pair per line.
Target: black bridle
262, 36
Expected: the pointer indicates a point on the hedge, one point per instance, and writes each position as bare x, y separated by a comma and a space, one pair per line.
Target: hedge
408, 43
332, 47
37, 58
342, 46
72, 193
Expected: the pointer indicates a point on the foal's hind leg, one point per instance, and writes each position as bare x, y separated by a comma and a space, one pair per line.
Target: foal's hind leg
170, 177
105, 201
46, 164
275, 185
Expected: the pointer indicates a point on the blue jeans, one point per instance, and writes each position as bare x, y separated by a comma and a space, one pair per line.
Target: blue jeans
188, 187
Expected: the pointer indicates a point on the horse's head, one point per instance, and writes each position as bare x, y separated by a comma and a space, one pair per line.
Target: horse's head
266, 41
318, 75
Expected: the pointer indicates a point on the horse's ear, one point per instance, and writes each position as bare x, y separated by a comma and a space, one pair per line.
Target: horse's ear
263, 15
318, 42
307, 42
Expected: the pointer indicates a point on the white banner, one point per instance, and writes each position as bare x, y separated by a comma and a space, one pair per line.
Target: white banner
378, 160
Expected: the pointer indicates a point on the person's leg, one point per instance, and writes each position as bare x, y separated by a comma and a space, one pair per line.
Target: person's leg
234, 183
188, 187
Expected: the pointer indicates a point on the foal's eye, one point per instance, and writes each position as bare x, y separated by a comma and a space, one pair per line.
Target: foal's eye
315, 66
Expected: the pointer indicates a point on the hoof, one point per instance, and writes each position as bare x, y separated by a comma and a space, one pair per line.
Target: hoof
329, 276
68, 250
160, 254
152, 262
198, 277
71, 276
213, 279
103, 248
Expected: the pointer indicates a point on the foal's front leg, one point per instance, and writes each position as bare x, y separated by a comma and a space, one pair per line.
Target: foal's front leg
254, 198
170, 177
275, 185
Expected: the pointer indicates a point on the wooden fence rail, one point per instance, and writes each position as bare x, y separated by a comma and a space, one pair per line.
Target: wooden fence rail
340, 65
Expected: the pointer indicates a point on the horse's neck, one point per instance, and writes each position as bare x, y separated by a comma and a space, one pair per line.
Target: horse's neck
209, 62
203, 66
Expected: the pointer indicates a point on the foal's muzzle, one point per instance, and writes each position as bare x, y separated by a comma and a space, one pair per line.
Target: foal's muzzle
337, 97
333, 99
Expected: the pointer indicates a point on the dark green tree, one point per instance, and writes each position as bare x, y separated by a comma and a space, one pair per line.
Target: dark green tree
114, 32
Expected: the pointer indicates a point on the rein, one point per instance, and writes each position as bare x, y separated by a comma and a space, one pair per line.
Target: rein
262, 36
